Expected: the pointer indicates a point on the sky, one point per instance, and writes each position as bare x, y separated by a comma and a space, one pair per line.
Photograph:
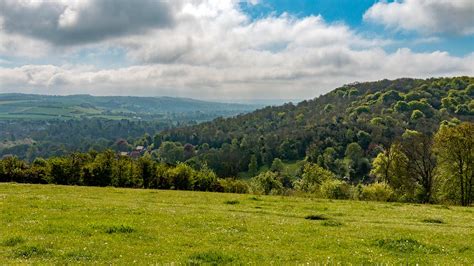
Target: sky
228, 50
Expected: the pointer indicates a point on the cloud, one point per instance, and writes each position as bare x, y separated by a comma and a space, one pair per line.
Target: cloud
291, 78
70, 22
213, 50
455, 17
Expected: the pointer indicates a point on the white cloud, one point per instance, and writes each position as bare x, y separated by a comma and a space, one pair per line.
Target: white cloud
297, 78
425, 16
214, 50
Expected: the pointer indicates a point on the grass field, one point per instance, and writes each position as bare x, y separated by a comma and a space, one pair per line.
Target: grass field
60, 224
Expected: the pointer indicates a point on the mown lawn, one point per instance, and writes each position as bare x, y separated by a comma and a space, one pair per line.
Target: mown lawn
61, 224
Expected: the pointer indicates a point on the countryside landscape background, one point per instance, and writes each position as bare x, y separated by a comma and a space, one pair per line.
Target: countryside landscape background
375, 163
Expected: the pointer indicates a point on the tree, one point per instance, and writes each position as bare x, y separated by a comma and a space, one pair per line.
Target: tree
277, 166
358, 165
388, 167
253, 166
420, 162
205, 179
58, 170
99, 172
11, 169
267, 183
146, 168
171, 152
181, 177
312, 177
455, 149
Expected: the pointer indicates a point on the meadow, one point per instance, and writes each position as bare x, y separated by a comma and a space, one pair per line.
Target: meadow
67, 224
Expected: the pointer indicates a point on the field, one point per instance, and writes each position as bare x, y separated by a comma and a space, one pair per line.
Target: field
60, 224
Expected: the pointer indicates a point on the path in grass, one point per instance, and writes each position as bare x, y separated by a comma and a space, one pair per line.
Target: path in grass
58, 224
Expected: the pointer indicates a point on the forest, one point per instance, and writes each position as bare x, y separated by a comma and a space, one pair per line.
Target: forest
44, 125
407, 140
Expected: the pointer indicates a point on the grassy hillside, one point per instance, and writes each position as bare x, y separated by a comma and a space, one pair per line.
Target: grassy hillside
29, 106
60, 224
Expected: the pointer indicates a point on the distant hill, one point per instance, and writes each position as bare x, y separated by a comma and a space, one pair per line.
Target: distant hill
31, 106
368, 115
42, 126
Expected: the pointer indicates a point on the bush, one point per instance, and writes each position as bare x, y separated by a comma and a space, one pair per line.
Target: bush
335, 189
377, 192
267, 183
205, 180
312, 177
181, 177
230, 185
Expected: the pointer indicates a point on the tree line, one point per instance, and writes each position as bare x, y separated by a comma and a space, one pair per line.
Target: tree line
417, 167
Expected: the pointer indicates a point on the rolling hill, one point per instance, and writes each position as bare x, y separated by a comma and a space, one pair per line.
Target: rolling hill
369, 115
30, 106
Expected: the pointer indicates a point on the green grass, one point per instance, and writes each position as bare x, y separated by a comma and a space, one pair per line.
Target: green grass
49, 224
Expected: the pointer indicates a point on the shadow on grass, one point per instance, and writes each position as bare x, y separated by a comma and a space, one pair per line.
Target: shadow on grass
27, 252
231, 202
331, 223
405, 245
79, 255
124, 229
316, 217
210, 257
433, 221
13, 241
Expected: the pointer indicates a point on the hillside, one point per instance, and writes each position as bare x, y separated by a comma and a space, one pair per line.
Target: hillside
46, 224
29, 106
43, 126
370, 114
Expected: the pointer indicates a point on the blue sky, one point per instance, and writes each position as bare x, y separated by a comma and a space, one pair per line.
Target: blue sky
228, 49
351, 12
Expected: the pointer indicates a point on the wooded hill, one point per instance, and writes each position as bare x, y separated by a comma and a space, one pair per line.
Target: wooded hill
342, 130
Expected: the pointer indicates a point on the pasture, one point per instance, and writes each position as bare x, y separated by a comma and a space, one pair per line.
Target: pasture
66, 224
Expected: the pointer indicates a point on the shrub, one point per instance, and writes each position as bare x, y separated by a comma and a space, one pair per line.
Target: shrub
335, 189
205, 180
312, 177
230, 185
181, 177
377, 192
267, 183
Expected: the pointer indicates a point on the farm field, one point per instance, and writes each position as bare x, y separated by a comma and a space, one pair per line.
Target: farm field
66, 224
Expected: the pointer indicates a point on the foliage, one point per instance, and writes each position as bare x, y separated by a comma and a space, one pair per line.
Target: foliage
370, 114
266, 183
312, 177
230, 185
335, 189
377, 192
455, 148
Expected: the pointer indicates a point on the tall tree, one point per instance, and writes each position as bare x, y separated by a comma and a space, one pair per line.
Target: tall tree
455, 148
253, 166
420, 162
